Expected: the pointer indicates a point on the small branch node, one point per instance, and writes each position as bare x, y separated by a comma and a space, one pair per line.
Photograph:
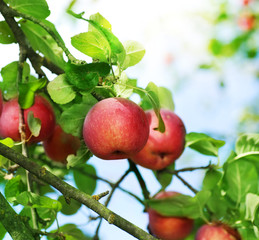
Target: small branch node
99, 196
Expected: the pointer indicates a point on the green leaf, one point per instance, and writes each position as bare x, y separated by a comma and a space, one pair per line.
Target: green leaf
9, 143
83, 181
211, 179
82, 155
6, 34
122, 87
13, 188
252, 211
86, 76
116, 50
2, 231
103, 22
71, 232
34, 124
152, 94
134, 53
92, 44
9, 75
163, 177
247, 147
27, 91
41, 41
180, 205
71, 208
240, 178
60, 91
203, 143
29, 199
165, 98
252, 207
38, 9
72, 119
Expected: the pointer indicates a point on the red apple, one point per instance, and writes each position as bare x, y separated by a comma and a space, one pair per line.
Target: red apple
162, 149
1, 102
246, 2
217, 231
60, 145
115, 128
169, 228
246, 21
9, 121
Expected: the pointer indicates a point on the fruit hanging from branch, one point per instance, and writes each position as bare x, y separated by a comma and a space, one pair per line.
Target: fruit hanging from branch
217, 231
162, 149
41, 109
169, 228
60, 144
115, 128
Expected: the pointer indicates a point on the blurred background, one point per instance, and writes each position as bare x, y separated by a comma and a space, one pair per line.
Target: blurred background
204, 51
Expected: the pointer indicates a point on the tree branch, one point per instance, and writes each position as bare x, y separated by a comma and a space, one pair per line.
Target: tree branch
36, 60
12, 222
70, 192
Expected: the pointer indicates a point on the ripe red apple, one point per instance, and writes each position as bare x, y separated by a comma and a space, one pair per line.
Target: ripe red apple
246, 2
60, 145
9, 120
246, 21
217, 231
162, 149
1, 102
115, 128
169, 228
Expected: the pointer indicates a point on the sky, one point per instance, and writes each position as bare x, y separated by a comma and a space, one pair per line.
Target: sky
175, 35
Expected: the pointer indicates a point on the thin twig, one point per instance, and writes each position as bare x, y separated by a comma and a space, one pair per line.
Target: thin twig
141, 181
186, 183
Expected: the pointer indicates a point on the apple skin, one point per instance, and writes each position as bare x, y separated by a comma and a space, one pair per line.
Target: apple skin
169, 228
9, 120
217, 231
61, 144
1, 102
246, 21
162, 149
115, 128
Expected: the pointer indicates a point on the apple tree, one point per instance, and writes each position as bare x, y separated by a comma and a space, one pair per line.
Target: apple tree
51, 127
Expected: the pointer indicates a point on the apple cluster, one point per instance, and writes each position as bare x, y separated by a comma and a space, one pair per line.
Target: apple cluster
117, 128
57, 144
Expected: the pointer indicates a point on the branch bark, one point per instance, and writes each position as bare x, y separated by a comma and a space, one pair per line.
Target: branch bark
12, 222
70, 192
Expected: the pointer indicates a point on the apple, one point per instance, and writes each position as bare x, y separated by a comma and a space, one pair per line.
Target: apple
61, 144
246, 2
115, 128
217, 231
9, 120
169, 228
246, 21
162, 149
1, 102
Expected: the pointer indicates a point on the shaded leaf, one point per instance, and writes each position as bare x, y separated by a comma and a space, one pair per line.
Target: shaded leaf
69, 209
27, 91
13, 188
240, 178
86, 76
163, 177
